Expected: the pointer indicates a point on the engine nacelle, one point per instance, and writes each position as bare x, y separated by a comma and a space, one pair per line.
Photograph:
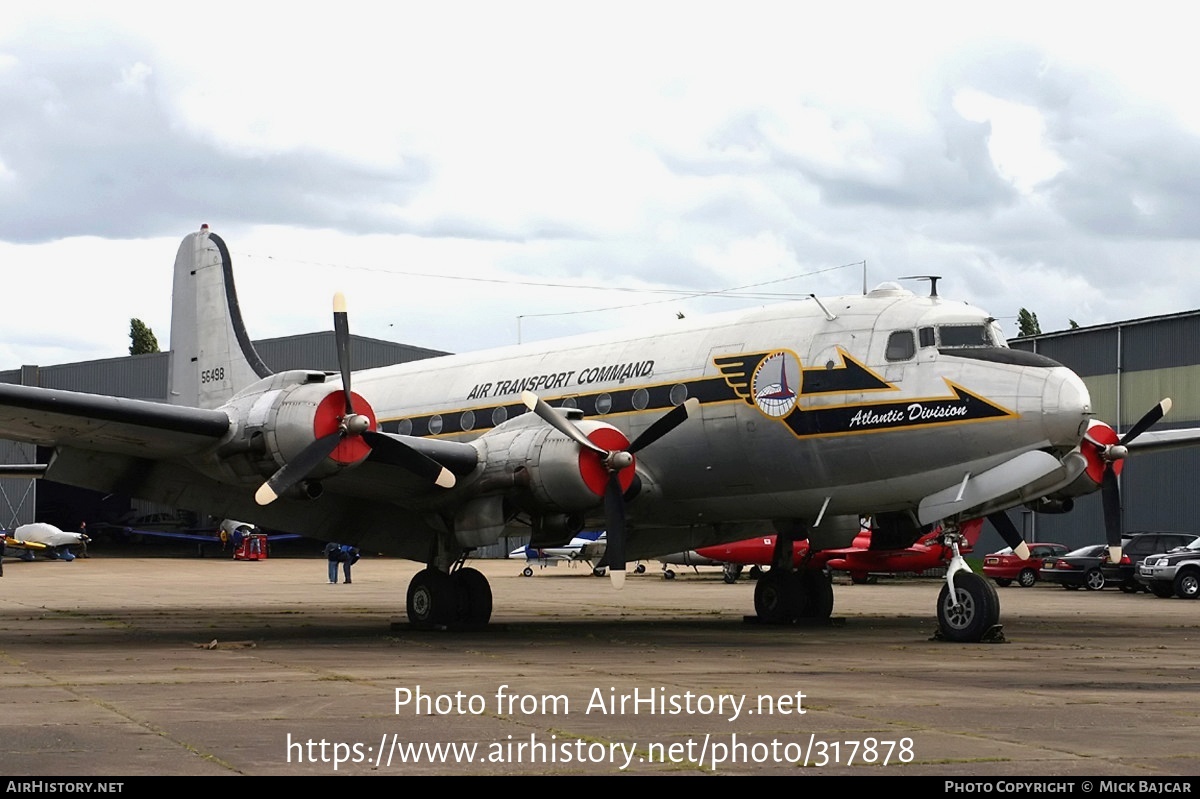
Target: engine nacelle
551, 472
275, 419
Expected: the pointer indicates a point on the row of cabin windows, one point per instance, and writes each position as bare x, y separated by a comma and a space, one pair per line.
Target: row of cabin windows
902, 345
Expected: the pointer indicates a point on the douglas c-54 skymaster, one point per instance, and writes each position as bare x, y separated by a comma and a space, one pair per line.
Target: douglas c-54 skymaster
805, 416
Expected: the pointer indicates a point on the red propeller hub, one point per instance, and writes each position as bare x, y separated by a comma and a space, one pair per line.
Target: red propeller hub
1098, 437
591, 464
328, 420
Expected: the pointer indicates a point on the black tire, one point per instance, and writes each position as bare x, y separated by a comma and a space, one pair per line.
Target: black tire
1093, 580
869, 579
818, 592
668, 574
527, 572
777, 597
640, 568
1187, 584
976, 610
1027, 578
474, 596
431, 598
1003, 582
1162, 590
1130, 587
599, 571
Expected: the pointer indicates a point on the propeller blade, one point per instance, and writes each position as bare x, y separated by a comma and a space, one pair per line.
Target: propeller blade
665, 424
400, 454
1008, 531
1110, 495
341, 337
297, 468
614, 513
559, 422
1153, 415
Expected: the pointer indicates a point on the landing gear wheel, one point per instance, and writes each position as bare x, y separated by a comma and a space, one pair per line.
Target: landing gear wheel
1027, 578
817, 589
971, 613
640, 568
863, 579
730, 572
1187, 585
1162, 590
668, 574
431, 598
599, 571
778, 598
473, 595
527, 572
1093, 580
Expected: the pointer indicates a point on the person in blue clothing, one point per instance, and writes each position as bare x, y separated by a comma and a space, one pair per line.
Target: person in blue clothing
349, 558
333, 553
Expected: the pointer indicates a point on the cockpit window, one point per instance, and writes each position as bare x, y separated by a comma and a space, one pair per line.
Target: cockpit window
927, 337
965, 336
900, 346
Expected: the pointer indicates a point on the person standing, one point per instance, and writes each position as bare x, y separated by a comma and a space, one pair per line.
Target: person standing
333, 553
3, 546
83, 540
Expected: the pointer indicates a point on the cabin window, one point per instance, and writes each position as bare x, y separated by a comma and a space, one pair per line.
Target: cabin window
641, 398
965, 336
467, 422
404, 427
678, 394
435, 424
900, 346
604, 403
928, 339
499, 416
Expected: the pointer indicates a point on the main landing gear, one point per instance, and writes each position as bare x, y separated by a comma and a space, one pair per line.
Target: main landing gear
783, 596
968, 609
462, 598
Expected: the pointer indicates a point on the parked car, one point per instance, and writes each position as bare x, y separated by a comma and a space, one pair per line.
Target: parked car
1174, 573
1079, 568
1134, 549
1005, 567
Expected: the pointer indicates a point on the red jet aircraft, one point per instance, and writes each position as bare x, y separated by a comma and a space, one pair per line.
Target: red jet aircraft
859, 559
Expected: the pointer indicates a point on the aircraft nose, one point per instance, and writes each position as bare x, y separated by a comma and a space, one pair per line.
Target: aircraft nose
1067, 407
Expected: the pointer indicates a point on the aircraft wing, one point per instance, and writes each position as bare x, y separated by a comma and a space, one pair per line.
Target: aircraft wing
50, 417
17, 543
1163, 440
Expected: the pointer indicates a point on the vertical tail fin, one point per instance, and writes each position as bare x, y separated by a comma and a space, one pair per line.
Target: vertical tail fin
212, 357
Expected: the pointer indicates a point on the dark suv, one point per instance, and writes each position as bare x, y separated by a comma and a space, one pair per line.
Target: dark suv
1173, 573
1134, 549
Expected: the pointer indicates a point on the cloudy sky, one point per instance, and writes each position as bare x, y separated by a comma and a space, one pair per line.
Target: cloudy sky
470, 172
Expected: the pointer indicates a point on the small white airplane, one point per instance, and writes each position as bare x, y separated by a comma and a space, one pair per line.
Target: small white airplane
588, 546
50, 541
800, 417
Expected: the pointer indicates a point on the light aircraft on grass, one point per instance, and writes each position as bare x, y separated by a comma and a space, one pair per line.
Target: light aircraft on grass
805, 416
860, 559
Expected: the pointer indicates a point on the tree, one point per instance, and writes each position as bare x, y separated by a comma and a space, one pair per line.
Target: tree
141, 338
1027, 323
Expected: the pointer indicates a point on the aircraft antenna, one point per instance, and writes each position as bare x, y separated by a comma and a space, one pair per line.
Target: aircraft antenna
933, 279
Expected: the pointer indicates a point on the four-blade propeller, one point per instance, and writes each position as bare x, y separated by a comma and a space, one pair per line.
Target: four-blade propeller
353, 429
614, 461
1106, 453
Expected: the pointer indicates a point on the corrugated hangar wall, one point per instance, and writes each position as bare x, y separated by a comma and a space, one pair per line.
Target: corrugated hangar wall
1128, 367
